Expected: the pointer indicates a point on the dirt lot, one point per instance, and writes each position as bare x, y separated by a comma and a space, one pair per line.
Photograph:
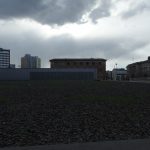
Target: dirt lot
50, 112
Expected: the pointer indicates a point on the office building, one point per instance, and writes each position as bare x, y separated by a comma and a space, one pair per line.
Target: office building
4, 58
29, 61
98, 64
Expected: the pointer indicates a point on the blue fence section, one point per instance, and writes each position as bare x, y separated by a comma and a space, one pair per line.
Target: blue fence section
48, 74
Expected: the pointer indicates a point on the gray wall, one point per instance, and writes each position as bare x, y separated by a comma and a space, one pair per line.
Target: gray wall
46, 73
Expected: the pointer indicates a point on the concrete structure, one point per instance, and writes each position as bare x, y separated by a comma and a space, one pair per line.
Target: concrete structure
48, 74
98, 64
139, 70
29, 61
119, 74
4, 58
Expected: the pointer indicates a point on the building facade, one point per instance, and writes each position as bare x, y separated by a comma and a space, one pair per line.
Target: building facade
108, 75
29, 61
139, 69
119, 74
98, 64
4, 58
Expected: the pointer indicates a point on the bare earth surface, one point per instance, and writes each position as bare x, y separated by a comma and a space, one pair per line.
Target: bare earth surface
51, 112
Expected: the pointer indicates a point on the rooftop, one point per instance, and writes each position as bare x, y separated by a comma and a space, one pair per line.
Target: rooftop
141, 62
78, 59
1, 49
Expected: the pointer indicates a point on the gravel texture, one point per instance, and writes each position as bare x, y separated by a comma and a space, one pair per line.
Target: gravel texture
51, 112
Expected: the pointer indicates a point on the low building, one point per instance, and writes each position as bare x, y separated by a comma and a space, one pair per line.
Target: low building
139, 70
4, 58
119, 74
99, 64
12, 66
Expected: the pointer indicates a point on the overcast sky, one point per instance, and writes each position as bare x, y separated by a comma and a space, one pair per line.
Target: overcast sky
116, 30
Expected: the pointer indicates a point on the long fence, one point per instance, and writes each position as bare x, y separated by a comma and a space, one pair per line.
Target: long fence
48, 74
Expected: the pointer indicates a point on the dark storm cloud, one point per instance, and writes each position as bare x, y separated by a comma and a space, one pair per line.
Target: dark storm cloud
46, 11
64, 11
55, 11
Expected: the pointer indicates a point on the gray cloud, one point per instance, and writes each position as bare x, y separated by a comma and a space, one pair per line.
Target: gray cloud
103, 10
136, 8
22, 39
66, 46
19, 8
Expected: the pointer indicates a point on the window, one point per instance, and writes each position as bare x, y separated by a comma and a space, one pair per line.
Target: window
68, 63
93, 63
87, 63
74, 63
81, 63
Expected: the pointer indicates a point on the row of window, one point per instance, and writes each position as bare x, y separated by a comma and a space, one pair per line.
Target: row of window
146, 68
83, 63
4, 64
4, 61
4, 55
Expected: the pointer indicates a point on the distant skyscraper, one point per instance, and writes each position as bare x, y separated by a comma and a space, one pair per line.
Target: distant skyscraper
29, 61
4, 58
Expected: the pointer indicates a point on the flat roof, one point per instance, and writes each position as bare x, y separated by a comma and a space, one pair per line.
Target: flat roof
78, 59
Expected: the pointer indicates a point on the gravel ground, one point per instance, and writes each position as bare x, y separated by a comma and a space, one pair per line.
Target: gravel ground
40, 112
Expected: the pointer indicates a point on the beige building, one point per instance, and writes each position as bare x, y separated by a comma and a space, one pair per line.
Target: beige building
29, 61
99, 64
139, 69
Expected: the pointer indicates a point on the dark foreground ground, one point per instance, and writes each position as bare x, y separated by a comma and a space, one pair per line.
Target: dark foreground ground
41, 112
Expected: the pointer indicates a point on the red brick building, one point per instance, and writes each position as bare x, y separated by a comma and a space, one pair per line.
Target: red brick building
99, 64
